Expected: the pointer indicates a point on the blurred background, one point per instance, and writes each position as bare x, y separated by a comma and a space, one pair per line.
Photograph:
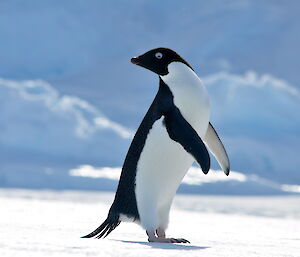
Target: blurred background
71, 101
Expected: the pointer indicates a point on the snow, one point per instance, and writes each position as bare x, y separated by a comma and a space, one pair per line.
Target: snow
50, 223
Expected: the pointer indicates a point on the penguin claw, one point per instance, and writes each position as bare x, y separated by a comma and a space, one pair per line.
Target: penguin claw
180, 240
185, 241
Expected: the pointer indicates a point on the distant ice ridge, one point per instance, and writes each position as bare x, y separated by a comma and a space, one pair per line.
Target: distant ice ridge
41, 128
87, 118
251, 78
257, 117
195, 177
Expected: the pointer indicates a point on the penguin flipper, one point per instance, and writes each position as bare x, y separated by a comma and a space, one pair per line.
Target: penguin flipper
215, 145
183, 133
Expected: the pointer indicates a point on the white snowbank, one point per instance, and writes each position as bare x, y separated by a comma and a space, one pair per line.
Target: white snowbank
195, 177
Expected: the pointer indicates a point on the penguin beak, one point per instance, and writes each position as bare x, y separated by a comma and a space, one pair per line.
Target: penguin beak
135, 60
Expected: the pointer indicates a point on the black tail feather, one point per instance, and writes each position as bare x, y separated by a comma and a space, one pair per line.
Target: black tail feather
105, 228
112, 228
103, 232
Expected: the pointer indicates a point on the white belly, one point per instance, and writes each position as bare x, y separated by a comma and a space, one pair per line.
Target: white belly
163, 162
161, 167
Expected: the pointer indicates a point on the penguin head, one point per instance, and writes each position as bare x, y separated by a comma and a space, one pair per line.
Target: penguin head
158, 59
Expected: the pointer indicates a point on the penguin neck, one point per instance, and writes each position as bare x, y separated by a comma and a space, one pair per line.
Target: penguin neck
181, 75
184, 82
189, 93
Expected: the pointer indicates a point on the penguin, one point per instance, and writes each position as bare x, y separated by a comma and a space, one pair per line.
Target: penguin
174, 133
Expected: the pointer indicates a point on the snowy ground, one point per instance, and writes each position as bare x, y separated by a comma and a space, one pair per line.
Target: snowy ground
50, 223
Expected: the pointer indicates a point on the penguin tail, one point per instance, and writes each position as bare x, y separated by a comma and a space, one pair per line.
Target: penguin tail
105, 228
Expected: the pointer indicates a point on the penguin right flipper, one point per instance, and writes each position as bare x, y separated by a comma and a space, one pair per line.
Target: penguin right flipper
182, 132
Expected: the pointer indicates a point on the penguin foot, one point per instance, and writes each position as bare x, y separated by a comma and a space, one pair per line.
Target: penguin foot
168, 240
160, 232
158, 239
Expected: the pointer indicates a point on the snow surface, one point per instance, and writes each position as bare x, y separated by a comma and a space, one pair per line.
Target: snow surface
49, 223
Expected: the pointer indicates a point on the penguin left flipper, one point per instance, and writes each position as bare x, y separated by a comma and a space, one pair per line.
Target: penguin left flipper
183, 133
215, 145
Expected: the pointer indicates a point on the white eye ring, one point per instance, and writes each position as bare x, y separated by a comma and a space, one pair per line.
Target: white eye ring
158, 55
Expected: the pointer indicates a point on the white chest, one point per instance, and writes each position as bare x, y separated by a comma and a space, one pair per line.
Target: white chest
190, 95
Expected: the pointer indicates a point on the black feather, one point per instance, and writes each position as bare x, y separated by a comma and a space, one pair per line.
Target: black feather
106, 227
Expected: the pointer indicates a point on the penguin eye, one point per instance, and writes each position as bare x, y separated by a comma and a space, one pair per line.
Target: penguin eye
158, 55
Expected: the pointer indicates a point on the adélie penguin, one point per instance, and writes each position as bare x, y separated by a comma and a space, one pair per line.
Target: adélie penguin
173, 134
